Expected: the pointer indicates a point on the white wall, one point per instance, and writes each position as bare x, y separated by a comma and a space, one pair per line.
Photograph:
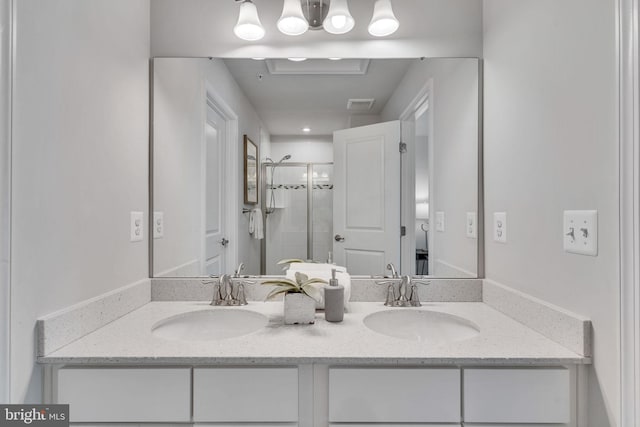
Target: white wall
428, 28
5, 193
454, 106
179, 122
80, 143
303, 149
551, 144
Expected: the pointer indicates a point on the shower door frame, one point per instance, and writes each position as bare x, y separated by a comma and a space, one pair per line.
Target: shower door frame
263, 205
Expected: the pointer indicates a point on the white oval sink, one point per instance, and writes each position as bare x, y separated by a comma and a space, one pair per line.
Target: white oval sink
419, 325
207, 325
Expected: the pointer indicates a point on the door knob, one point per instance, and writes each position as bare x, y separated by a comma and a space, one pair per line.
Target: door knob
224, 242
338, 238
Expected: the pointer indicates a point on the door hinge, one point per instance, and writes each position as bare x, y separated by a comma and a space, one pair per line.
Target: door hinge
403, 231
402, 147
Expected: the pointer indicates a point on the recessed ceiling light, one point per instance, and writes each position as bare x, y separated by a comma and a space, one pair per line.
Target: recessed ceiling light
335, 59
306, 129
297, 59
258, 59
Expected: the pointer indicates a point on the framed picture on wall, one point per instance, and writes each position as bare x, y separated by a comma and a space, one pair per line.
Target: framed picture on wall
250, 172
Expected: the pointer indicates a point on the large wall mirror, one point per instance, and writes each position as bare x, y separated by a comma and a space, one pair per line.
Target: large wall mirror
361, 162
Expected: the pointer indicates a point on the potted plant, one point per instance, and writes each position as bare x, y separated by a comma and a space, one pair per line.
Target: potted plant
300, 296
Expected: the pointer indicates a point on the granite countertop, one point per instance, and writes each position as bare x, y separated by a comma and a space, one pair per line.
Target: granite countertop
128, 340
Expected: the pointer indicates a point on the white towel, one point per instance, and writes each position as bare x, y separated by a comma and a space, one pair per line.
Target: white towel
256, 228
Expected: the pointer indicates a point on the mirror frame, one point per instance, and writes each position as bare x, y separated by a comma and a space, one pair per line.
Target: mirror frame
251, 197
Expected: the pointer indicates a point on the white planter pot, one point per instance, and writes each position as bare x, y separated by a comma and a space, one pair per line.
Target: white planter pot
299, 309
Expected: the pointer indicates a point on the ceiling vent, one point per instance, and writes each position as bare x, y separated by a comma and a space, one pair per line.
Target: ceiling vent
360, 104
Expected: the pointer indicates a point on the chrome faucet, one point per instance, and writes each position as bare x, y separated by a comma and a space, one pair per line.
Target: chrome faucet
238, 270
405, 283
392, 268
223, 290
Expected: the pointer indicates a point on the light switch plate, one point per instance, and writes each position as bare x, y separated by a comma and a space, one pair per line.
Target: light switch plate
137, 226
158, 225
440, 221
580, 232
471, 226
500, 227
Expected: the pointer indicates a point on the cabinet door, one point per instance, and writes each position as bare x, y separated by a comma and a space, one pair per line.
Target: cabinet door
394, 395
517, 395
126, 395
245, 394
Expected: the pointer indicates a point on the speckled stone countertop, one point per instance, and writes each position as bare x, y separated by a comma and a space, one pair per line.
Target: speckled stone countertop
129, 340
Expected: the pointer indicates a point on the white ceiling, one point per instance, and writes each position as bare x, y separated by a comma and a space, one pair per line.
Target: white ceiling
288, 102
429, 28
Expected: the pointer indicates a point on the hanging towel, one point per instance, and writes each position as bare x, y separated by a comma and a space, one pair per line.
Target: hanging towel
256, 229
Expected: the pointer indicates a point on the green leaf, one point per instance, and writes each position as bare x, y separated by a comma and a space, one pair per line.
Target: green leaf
312, 290
301, 278
280, 282
289, 261
277, 291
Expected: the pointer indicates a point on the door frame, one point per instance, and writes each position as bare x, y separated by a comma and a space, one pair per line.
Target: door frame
232, 159
408, 177
7, 62
628, 67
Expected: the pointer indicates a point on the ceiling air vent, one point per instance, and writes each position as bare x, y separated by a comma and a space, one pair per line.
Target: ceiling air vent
360, 104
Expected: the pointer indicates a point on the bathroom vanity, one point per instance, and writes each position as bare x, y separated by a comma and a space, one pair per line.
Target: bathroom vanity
481, 367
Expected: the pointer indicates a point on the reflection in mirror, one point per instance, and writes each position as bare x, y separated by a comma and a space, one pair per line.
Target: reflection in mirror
361, 163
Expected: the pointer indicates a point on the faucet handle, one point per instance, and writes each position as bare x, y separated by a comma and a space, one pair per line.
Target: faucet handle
240, 296
391, 296
414, 298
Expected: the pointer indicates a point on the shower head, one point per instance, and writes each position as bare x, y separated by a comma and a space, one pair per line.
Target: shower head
269, 160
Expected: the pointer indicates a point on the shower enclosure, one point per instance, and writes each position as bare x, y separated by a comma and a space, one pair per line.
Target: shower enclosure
297, 199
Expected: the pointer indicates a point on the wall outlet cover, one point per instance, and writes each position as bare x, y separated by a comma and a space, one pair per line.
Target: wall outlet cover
137, 227
440, 221
472, 225
158, 225
500, 227
580, 232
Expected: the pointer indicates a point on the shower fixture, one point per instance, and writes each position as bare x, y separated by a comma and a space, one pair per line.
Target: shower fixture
270, 208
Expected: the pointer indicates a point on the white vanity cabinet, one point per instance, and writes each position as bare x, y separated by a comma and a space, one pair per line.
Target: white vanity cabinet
541, 396
268, 394
313, 395
394, 395
125, 394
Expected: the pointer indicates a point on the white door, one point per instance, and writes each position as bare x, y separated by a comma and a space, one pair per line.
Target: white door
366, 207
214, 241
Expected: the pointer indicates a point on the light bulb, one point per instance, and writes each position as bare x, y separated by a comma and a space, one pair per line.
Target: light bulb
292, 21
383, 22
339, 19
248, 26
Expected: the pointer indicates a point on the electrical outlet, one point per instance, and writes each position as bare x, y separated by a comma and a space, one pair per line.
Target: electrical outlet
440, 221
500, 227
580, 232
137, 226
471, 226
158, 225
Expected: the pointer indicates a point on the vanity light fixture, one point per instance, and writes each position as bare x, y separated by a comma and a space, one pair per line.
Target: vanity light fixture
292, 21
248, 26
299, 16
339, 19
383, 22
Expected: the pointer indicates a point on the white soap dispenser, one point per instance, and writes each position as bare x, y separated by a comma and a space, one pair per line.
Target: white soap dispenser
334, 300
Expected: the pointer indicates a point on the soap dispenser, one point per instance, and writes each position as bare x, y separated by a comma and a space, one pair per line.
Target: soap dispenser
334, 300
